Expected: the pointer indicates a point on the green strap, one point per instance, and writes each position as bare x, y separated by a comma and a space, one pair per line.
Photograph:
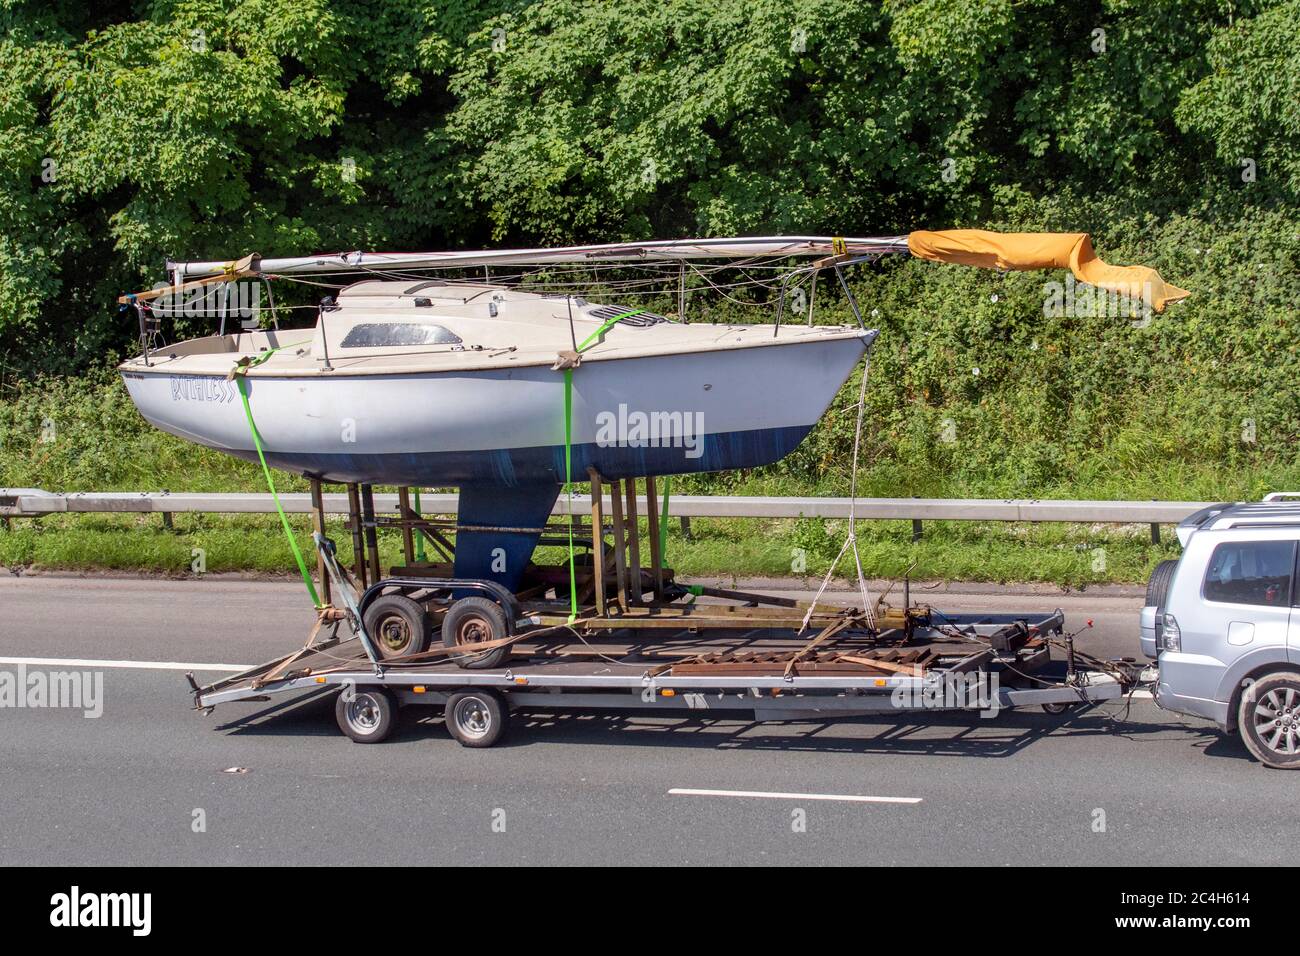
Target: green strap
568, 460
238, 375
663, 521
586, 343
419, 537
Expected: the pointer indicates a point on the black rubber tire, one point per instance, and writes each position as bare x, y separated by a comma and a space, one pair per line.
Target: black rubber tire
397, 626
366, 714
1158, 585
1277, 692
1058, 708
477, 718
480, 620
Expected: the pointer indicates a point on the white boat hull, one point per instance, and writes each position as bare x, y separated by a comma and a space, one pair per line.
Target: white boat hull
636, 416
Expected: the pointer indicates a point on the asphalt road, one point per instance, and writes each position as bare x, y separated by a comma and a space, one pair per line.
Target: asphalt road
127, 788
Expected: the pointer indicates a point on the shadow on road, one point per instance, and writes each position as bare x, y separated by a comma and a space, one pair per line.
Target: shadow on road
935, 734
940, 733
308, 715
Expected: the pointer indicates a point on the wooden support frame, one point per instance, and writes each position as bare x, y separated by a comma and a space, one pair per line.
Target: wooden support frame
627, 605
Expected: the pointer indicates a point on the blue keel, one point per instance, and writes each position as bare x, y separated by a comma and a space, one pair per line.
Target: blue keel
501, 556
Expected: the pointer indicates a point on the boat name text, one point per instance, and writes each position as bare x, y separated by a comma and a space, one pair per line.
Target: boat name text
201, 388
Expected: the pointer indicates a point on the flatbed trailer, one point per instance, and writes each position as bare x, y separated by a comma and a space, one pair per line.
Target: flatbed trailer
665, 676
643, 642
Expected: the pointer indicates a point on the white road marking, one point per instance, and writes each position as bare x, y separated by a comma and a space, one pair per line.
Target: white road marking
847, 797
141, 665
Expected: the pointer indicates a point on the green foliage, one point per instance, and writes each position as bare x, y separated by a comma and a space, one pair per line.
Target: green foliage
209, 128
1248, 104
975, 391
130, 132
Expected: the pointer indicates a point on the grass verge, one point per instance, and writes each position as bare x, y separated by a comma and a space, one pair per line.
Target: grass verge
1065, 554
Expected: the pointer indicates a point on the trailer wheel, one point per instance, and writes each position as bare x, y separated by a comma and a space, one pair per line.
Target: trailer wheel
1268, 718
475, 620
369, 716
1058, 708
397, 626
477, 718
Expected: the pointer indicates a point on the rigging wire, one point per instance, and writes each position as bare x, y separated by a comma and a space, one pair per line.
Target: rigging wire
851, 540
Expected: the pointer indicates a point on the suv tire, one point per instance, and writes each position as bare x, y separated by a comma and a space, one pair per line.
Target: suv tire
1268, 719
1158, 586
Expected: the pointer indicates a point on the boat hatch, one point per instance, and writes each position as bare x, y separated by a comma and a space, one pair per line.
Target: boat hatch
640, 319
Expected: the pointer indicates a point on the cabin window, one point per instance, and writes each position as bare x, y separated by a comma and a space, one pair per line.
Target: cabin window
386, 334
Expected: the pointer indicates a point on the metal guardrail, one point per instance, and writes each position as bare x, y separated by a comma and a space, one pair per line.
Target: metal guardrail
34, 502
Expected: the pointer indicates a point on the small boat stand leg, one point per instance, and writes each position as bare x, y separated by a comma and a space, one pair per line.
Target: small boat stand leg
597, 541
620, 547
358, 540
318, 526
371, 531
652, 530
633, 544
408, 537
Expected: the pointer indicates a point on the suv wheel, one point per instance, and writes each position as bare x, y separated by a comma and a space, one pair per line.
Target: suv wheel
1268, 719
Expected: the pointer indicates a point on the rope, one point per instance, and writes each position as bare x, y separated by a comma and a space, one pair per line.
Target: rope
238, 373
851, 542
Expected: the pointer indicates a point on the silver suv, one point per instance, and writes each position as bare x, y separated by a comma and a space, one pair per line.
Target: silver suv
1223, 622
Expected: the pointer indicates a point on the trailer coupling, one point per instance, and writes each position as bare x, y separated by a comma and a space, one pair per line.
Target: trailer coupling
197, 691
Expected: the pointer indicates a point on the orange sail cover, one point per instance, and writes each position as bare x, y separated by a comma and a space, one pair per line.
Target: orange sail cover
1044, 250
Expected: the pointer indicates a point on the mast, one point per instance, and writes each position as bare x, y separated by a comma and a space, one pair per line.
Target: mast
672, 250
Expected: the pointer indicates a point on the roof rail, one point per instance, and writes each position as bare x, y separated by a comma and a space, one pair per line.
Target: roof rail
1280, 495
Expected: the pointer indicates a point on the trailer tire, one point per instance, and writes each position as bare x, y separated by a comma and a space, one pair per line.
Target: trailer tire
1268, 719
397, 626
476, 620
366, 714
1059, 707
477, 718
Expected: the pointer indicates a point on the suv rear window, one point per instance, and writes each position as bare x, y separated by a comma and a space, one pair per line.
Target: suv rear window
1251, 572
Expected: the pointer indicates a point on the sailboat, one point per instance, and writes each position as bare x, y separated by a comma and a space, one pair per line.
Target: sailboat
415, 375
